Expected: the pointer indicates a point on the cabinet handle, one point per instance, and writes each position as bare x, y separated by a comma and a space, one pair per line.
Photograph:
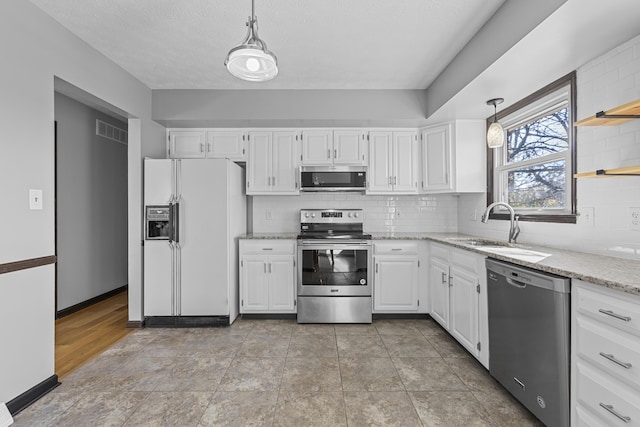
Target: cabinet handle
396, 249
335, 153
395, 180
328, 154
444, 280
611, 410
209, 147
243, 152
267, 249
617, 316
201, 147
612, 358
376, 267
273, 181
269, 268
269, 181
264, 266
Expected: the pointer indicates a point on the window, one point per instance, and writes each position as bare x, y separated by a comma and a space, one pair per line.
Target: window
533, 170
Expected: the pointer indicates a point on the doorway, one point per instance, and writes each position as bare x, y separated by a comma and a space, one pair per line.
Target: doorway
91, 225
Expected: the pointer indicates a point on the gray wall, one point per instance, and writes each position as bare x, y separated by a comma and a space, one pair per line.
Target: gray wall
91, 205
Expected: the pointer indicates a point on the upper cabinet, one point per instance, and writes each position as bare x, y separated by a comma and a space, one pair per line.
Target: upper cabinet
327, 147
393, 162
272, 166
212, 144
453, 157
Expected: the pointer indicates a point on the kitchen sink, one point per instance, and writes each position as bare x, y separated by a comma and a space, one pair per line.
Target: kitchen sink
479, 242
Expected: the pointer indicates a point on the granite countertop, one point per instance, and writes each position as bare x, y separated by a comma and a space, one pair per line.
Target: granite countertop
270, 236
610, 272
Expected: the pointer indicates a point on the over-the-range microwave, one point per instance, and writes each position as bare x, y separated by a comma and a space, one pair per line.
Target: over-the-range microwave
333, 178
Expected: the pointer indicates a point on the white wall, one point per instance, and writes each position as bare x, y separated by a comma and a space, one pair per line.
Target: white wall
383, 214
34, 49
91, 199
604, 225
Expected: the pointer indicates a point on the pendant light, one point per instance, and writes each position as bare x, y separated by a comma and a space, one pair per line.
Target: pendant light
251, 60
495, 133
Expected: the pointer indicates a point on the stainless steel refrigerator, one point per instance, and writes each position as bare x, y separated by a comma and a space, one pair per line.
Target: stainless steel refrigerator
190, 262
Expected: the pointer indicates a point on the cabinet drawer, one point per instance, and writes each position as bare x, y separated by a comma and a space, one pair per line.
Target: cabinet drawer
267, 247
622, 312
609, 399
396, 247
613, 351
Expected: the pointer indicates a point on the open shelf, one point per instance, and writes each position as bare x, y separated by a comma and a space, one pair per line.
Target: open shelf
613, 117
628, 171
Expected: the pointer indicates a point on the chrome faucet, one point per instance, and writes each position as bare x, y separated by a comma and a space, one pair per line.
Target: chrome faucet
514, 230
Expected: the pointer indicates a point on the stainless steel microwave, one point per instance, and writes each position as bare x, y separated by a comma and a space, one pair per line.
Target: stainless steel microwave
334, 178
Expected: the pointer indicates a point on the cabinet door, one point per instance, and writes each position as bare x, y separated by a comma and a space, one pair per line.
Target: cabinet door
396, 283
464, 309
380, 144
254, 284
405, 165
187, 144
317, 147
439, 295
259, 163
229, 144
281, 283
436, 158
284, 168
349, 147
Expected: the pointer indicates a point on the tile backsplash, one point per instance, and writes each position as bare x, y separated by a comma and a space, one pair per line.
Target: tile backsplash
429, 213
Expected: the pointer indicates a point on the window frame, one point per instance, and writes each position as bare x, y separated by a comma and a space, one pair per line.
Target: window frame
523, 104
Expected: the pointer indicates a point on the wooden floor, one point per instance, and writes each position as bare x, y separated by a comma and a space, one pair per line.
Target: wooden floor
84, 334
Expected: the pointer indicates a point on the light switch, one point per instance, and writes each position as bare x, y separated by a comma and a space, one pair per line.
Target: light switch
35, 200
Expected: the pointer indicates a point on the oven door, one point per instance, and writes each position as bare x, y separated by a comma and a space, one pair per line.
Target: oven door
334, 268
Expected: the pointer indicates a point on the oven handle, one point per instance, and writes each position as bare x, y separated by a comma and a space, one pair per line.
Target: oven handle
333, 243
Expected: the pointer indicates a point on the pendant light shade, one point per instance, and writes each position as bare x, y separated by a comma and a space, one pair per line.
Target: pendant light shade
495, 133
251, 60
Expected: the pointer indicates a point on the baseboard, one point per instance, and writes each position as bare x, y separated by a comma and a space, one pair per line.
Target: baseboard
21, 402
383, 316
185, 321
74, 308
135, 324
269, 316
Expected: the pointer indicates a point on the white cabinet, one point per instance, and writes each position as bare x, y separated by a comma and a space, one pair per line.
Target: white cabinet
272, 165
227, 144
397, 277
393, 162
186, 144
207, 144
267, 276
605, 355
454, 157
458, 297
328, 147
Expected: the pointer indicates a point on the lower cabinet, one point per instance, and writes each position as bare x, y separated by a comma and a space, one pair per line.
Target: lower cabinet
605, 356
398, 273
267, 276
458, 297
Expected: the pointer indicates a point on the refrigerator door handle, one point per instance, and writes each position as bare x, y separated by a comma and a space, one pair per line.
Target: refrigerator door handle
173, 276
174, 222
178, 279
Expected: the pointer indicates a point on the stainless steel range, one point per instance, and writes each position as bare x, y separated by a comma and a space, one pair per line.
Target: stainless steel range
334, 274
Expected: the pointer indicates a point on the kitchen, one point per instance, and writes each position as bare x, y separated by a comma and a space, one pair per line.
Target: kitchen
440, 213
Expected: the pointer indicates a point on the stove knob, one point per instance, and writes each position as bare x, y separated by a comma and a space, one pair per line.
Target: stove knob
355, 214
306, 215
313, 215
349, 214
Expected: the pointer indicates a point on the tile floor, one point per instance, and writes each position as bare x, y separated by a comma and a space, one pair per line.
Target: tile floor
279, 373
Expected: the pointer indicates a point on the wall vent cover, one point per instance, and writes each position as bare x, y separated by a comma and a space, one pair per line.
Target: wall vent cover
111, 132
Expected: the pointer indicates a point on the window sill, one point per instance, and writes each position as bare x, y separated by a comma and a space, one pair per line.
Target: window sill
560, 219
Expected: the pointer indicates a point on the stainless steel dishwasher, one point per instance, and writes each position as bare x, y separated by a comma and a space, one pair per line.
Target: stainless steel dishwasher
529, 338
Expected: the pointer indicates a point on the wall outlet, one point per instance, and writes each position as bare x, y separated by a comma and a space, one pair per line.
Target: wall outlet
268, 214
35, 200
397, 213
587, 216
634, 214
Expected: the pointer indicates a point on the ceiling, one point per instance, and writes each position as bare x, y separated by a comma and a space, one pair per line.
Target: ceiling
322, 44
